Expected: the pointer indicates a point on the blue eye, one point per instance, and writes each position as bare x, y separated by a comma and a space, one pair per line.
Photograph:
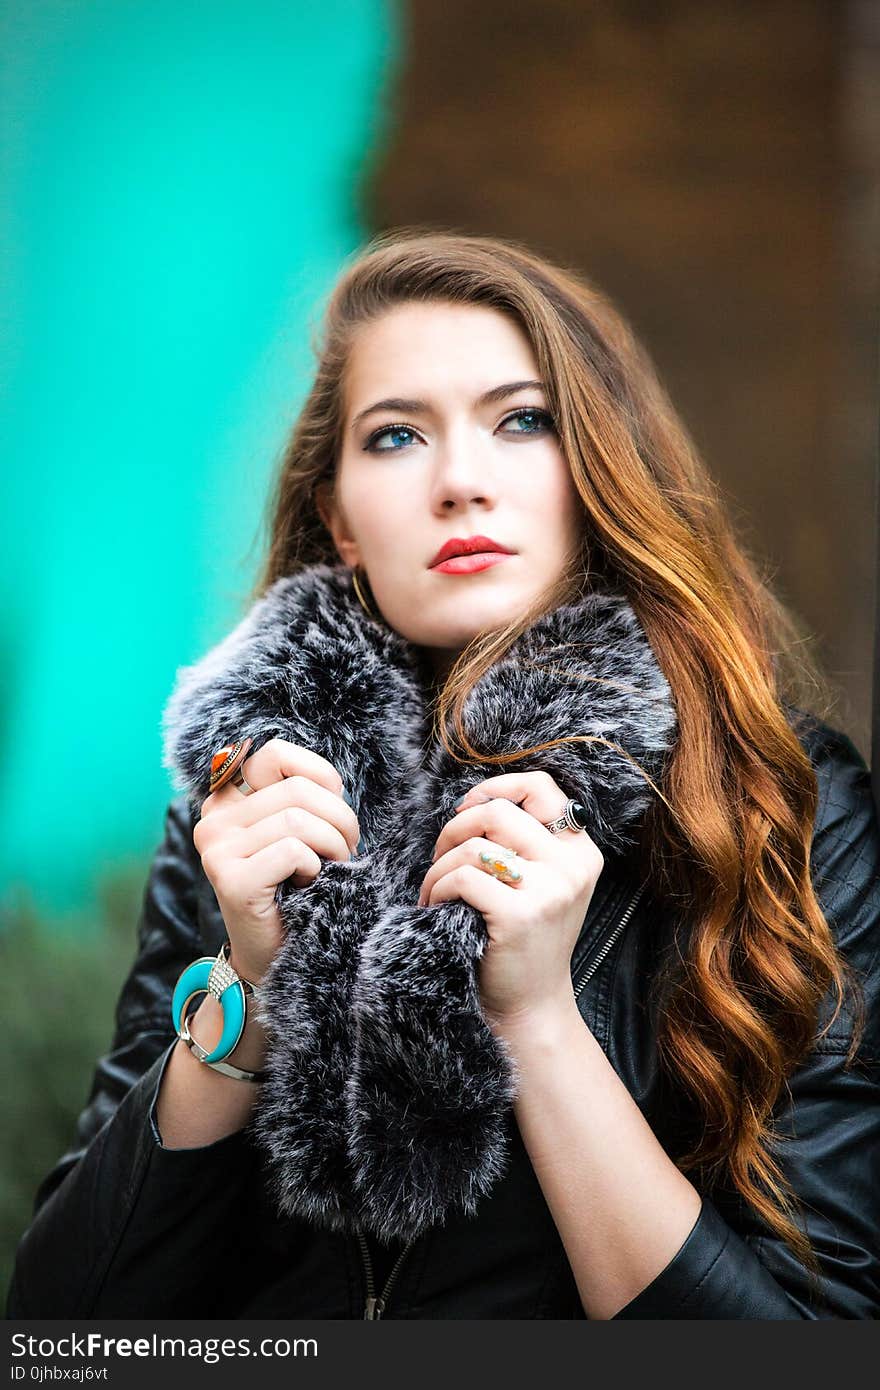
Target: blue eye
392, 430
545, 420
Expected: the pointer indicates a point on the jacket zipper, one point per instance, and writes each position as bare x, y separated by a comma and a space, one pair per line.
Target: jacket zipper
609, 942
374, 1307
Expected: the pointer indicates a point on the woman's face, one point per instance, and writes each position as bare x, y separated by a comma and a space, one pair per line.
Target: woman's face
436, 463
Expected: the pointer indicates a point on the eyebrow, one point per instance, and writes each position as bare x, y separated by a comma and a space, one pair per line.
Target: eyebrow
495, 393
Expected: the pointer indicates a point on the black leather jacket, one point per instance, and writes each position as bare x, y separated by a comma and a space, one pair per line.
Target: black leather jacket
125, 1227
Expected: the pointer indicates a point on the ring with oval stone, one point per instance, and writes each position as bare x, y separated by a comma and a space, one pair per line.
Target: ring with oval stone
574, 817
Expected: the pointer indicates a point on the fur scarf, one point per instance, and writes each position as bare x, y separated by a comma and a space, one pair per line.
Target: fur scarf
386, 1092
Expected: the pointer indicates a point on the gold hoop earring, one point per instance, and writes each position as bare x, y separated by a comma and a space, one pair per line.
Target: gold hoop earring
361, 600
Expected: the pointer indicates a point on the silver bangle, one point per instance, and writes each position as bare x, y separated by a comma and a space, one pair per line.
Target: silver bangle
237, 1073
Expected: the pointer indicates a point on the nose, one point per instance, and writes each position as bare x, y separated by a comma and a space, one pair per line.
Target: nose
463, 474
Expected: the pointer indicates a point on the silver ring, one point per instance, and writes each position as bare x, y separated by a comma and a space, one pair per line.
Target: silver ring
243, 785
574, 817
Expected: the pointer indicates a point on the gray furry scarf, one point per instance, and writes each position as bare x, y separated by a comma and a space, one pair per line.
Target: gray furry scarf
386, 1093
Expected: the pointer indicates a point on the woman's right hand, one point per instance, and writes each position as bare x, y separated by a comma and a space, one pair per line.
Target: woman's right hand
251, 842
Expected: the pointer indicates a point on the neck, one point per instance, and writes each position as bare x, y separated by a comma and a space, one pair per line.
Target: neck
436, 664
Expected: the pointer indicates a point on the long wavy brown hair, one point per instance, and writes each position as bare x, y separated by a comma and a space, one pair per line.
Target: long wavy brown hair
729, 837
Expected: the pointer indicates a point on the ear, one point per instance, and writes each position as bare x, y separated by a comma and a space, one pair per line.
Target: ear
331, 514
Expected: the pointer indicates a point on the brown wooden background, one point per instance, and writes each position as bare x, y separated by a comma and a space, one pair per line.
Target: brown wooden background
714, 167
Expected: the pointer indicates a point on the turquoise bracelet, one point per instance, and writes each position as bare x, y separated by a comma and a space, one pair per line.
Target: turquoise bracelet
214, 975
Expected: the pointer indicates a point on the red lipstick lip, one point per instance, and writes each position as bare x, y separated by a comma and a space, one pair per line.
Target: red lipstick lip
468, 545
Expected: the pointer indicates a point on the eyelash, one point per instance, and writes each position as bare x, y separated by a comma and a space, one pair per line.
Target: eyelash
543, 415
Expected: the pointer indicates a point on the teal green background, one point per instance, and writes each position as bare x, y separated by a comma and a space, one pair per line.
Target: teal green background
180, 189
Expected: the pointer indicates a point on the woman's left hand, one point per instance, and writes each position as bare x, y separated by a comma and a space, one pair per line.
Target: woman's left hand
532, 923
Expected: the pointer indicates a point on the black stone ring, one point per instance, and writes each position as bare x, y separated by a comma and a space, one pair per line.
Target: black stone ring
574, 817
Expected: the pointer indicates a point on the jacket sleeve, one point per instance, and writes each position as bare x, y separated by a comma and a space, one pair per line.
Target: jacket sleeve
122, 1224
732, 1265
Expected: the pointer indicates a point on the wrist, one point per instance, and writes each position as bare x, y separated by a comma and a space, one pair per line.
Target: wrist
250, 1050
541, 1026
254, 974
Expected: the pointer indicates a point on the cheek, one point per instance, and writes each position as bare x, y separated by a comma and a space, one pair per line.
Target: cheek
553, 496
371, 503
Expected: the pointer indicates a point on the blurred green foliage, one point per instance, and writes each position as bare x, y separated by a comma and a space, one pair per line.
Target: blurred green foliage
58, 991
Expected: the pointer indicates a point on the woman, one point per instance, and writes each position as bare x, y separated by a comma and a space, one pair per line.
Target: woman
424, 1119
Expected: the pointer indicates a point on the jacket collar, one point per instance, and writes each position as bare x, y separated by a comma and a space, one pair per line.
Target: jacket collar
387, 1096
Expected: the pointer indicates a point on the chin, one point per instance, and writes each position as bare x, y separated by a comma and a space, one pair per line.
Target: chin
479, 618
466, 616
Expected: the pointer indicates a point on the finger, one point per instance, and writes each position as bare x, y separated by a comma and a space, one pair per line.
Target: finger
278, 758
291, 792
499, 820
471, 885
536, 792
296, 821
540, 796
247, 879
468, 853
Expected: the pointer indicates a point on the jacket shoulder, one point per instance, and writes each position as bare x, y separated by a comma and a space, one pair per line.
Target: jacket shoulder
845, 810
845, 852
823, 742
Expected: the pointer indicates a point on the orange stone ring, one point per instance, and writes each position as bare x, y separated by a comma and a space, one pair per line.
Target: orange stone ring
226, 764
500, 865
